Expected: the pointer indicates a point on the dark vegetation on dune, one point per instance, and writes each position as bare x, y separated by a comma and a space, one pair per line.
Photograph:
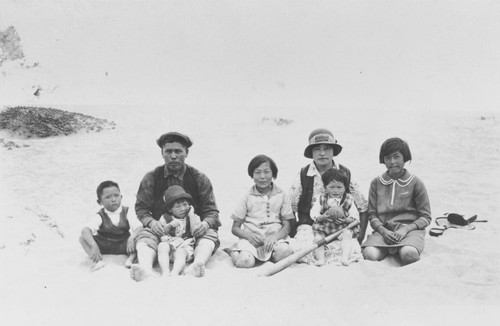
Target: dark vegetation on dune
38, 122
47, 122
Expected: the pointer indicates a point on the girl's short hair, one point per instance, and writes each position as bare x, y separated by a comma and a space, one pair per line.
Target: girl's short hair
258, 160
392, 145
336, 175
103, 185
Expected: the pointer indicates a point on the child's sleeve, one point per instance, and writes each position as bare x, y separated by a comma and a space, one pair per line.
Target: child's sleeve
95, 223
286, 212
241, 210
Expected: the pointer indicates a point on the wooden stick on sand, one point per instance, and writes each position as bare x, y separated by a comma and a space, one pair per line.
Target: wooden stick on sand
282, 264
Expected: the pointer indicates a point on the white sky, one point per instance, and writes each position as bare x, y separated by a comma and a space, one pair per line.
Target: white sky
359, 54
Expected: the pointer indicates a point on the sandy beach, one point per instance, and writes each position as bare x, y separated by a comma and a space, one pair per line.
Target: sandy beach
140, 66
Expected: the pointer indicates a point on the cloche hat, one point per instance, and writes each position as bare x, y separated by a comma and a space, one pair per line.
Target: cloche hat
322, 136
174, 193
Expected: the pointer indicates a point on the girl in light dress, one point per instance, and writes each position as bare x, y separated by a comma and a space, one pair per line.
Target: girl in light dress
262, 218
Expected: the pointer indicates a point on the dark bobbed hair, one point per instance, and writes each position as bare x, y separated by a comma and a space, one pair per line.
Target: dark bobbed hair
258, 160
105, 184
392, 145
178, 201
336, 175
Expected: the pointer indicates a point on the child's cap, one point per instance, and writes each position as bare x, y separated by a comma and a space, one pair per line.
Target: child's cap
174, 193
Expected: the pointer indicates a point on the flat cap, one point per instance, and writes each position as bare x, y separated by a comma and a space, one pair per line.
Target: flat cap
173, 136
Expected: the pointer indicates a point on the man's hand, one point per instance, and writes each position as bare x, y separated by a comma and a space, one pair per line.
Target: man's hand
131, 245
200, 229
167, 228
156, 228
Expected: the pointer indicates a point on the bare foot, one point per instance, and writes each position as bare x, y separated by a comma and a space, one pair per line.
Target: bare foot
138, 273
345, 261
228, 251
130, 260
196, 270
97, 266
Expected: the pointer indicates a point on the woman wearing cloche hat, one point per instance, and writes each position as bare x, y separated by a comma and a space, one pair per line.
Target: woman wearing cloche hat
307, 186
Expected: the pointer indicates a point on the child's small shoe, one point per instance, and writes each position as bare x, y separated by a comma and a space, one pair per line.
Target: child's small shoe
345, 261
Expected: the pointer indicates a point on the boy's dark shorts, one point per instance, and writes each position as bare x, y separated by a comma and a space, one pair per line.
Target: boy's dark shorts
152, 240
111, 246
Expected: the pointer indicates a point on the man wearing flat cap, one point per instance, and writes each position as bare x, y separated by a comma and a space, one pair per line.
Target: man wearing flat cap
150, 206
307, 187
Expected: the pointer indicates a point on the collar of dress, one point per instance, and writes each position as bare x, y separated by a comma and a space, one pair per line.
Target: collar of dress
275, 190
404, 181
313, 170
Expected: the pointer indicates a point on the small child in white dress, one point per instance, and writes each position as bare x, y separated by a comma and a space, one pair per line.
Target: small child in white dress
332, 212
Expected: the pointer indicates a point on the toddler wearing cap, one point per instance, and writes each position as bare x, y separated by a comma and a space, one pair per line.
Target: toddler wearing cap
177, 243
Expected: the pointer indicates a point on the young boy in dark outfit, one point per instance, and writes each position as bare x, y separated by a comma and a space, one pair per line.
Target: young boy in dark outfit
113, 229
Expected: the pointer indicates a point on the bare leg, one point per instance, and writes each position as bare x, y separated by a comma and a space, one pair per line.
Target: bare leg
202, 254
146, 257
234, 255
408, 255
164, 257
374, 253
320, 252
281, 251
87, 247
243, 259
179, 261
346, 247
